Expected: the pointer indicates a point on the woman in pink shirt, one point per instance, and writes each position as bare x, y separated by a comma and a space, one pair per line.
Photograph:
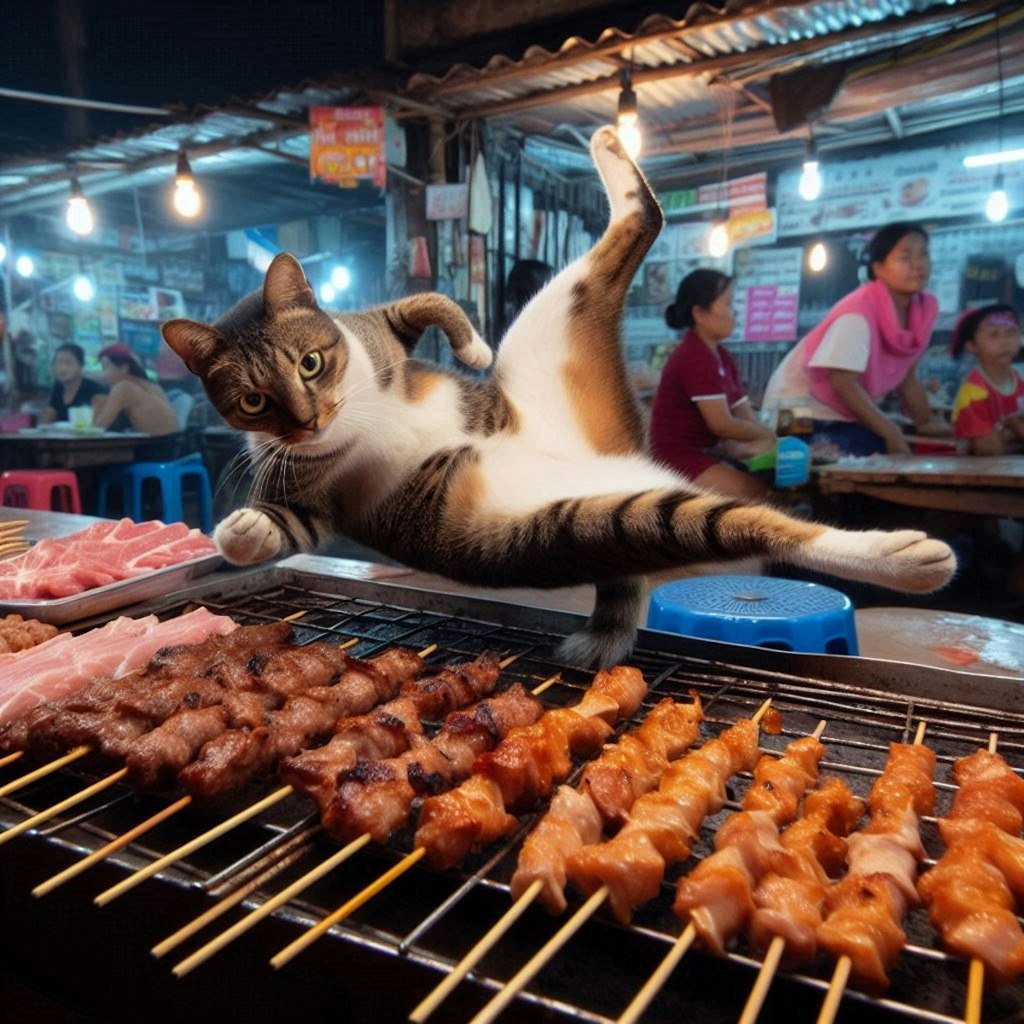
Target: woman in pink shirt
867, 346
701, 412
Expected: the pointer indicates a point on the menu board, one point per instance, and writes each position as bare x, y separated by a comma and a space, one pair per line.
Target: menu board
918, 184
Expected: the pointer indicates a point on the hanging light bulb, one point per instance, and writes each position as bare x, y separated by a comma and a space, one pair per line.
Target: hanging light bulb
25, 266
629, 117
718, 240
78, 216
84, 289
187, 200
341, 278
817, 257
328, 293
997, 206
810, 177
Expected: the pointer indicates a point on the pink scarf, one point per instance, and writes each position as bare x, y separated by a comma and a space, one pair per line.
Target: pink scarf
895, 350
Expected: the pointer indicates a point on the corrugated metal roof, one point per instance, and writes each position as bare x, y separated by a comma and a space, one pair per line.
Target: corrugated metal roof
702, 83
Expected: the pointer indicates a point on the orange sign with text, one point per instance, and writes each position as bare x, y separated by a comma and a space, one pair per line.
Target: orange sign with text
346, 145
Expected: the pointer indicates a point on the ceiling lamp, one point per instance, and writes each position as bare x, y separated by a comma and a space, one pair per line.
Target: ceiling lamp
328, 293
83, 288
341, 277
1002, 156
718, 240
817, 258
810, 177
628, 121
997, 206
187, 200
78, 215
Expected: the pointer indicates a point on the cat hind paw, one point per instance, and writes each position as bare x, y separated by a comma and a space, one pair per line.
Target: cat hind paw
906, 560
247, 536
593, 649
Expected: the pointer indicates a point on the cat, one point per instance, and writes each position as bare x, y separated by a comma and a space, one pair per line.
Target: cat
533, 476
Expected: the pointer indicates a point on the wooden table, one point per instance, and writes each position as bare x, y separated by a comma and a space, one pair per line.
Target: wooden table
986, 485
57, 448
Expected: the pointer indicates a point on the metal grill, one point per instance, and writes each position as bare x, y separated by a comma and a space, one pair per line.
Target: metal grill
417, 928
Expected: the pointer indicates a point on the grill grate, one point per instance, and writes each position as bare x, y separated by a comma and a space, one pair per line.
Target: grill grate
429, 919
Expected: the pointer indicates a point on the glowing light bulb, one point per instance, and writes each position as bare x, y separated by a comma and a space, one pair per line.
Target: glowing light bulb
79, 216
340, 278
810, 180
998, 205
187, 200
817, 258
629, 134
327, 292
718, 240
24, 266
84, 289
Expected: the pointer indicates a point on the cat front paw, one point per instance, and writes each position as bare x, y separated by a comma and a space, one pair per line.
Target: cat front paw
248, 536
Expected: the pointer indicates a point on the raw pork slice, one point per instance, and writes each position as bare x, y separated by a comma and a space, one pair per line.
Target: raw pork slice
106, 552
67, 663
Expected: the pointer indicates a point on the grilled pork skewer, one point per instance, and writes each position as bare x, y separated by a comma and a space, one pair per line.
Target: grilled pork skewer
607, 790
522, 768
865, 909
972, 891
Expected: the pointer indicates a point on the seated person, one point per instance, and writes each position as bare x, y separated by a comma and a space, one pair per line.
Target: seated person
70, 387
135, 402
989, 407
701, 412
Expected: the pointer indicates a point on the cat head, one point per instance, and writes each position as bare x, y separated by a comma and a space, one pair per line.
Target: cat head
277, 363
274, 362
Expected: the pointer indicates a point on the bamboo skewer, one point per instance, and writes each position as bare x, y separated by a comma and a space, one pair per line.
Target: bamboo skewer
216, 944
474, 956
46, 769
540, 959
10, 758
112, 847
976, 968
309, 937
765, 977
12, 526
13, 547
216, 832
71, 801
841, 974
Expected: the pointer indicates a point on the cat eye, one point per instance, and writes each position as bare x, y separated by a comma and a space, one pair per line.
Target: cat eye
310, 365
253, 403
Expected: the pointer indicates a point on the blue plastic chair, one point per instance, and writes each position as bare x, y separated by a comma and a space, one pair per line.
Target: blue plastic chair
759, 611
170, 478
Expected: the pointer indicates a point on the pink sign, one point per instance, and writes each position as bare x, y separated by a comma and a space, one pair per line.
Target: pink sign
770, 316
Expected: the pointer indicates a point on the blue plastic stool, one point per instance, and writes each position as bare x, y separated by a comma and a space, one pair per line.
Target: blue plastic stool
170, 478
759, 611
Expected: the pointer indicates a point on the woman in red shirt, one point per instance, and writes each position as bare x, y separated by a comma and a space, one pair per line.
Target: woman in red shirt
701, 411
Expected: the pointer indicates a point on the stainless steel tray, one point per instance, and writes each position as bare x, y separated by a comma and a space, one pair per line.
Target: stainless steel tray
150, 585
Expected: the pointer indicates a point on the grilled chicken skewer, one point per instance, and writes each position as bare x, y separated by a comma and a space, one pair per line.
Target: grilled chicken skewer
865, 909
715, 900
606, 791
521, 768
790, 899
628, 869
972, 891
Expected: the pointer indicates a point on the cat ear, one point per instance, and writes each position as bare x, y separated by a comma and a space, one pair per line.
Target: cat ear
286, 286
411, 316
194, 342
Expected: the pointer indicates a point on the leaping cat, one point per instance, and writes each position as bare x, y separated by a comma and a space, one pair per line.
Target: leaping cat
533, 477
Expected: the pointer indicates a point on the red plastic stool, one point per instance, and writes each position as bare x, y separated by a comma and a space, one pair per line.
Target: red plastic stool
44, 489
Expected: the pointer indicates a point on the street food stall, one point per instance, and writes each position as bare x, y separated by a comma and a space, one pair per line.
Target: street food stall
255, 911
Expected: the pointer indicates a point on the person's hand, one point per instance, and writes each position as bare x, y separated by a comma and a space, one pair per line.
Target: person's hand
749, 449
895, 442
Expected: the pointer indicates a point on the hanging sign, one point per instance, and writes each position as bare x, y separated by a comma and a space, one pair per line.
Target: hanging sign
346, 145
447, 202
